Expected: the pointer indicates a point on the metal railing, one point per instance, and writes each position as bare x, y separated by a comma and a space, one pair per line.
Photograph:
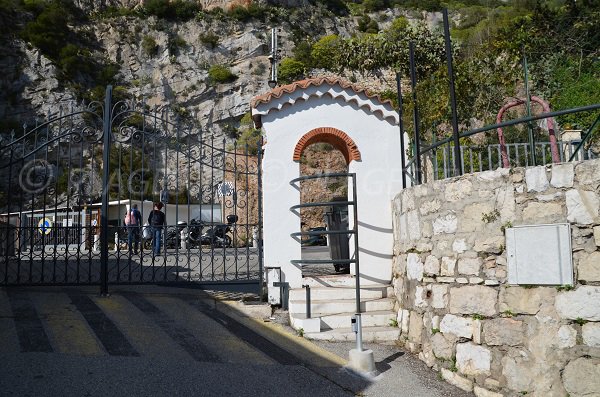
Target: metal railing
439, 163
353, 231
438, 160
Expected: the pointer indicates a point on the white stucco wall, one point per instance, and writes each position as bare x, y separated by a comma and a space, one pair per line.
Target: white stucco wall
379, 178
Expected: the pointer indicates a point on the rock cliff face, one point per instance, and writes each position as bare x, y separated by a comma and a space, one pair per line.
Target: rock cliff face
176, 72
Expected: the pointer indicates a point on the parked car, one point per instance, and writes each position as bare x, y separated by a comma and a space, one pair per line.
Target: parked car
316, 239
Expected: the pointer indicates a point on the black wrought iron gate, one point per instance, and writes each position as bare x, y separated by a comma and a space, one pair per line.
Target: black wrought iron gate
68, 181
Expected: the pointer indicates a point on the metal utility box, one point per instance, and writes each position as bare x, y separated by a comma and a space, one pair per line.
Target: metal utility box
539, 254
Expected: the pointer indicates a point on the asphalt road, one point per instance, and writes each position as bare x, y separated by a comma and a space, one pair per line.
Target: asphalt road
72, 342
159, 341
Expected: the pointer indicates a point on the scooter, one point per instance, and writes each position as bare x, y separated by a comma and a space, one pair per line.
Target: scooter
216, 235
172, 237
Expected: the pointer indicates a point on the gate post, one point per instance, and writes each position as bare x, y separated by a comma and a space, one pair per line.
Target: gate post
106, 130
261, 288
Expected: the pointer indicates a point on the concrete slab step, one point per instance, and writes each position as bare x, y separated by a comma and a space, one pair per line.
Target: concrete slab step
341, 292
336, 306
380, 318
370, 334
343, 280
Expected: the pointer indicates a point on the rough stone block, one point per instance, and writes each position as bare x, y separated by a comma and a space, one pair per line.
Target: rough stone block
580, 377
462, 280
432, 265
503, 331
566, 337
477, 332
518, 373
473, 299
446, 280
491, 283
562, 175
475, 280
405, 321
446, 224
584, 302
415, 327
414, 225
589, 267
591, 334
408, 200
490, 245
457, 380
543, 212
582, 206
420, 301
587, 173
505, 200
471, 219
442, 346
470, 266
429, 207
521, 300
473, 359
491, 383
549, 197
448, 266
481, 392
489, 176
536, 179
597, 235
439, 296
459, 326
414, 267
459, 245
458, 190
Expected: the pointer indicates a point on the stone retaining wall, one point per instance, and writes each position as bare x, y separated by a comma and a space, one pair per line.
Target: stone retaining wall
456, 309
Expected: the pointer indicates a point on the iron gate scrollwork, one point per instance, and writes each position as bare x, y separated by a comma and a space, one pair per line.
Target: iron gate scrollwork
69, 180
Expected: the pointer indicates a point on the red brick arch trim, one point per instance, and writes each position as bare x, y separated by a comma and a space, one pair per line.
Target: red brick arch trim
330, 135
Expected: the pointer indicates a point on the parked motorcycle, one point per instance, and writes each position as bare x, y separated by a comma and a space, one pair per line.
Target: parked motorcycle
216, 235
172, 237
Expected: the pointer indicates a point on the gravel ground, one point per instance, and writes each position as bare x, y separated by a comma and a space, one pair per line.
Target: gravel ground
400, 372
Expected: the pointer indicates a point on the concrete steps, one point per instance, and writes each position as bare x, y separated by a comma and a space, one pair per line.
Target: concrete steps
381, 318
333, 304
370, 334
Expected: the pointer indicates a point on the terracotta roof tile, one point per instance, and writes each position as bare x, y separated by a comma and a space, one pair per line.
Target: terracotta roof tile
277, 92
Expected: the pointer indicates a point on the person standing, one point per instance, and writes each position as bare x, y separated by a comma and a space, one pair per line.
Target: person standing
133, 221
156, 220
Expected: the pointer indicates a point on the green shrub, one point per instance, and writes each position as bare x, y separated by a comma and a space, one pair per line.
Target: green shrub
374, 5
325, 50
175, 44
149, 46
368, 25
290, 70
209, 39
221, 74
181, 10
250, 138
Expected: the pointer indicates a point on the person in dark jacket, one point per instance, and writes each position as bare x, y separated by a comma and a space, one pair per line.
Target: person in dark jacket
156, 220
133, 221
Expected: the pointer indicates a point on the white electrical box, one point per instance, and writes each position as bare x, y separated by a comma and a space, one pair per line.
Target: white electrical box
539, 254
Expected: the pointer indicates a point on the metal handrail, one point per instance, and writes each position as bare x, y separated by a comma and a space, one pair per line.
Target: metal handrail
322, 261
317, 176
321, 204
318, 233
354, 231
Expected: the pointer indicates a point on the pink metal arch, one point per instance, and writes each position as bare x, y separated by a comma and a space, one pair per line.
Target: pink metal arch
546, 108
